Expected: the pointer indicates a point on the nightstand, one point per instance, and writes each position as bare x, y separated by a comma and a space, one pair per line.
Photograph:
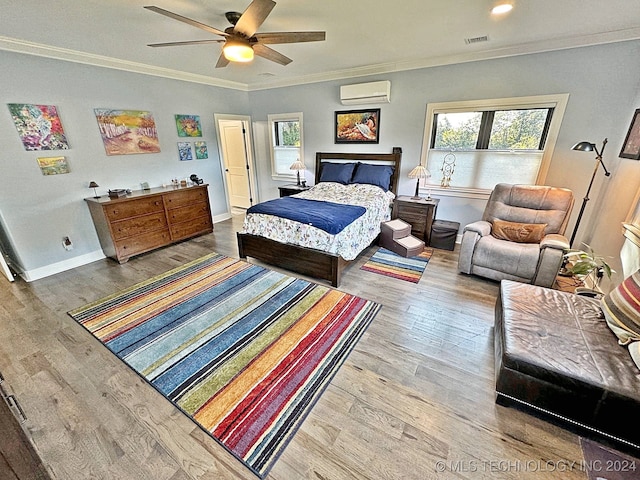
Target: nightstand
418, 213
291, 189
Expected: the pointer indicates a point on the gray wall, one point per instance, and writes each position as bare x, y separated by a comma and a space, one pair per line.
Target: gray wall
39, 210
603, 83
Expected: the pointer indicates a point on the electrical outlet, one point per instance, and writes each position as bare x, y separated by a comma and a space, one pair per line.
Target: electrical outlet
67, 244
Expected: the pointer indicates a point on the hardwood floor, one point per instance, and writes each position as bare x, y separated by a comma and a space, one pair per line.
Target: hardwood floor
414, 400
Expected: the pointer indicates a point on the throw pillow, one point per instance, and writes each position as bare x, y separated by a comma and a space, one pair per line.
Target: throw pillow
337, 172
518, 232
379, 175
621, 308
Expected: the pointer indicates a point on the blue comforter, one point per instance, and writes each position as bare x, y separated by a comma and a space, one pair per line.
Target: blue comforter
328, 216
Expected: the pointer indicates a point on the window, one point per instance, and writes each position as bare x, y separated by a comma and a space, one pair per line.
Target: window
286, 144
490, 141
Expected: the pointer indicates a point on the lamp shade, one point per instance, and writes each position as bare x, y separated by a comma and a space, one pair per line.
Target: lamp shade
297, 165
419, 172
584, 147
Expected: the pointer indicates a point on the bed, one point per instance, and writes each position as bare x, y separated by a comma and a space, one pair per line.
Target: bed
305, 250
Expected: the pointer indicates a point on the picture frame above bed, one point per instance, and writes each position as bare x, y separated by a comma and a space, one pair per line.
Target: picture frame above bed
357, 126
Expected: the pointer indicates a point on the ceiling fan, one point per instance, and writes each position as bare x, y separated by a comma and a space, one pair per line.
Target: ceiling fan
241, 40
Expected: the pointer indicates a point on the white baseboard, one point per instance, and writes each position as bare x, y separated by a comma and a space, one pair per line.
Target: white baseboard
220, 218
47, 270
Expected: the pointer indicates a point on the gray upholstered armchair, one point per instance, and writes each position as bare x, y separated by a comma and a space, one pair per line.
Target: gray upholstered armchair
518, 212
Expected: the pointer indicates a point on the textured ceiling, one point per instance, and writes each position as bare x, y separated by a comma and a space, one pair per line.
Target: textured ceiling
362, 38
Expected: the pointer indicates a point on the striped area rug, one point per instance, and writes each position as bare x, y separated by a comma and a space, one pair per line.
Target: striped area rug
243, 350
385, 262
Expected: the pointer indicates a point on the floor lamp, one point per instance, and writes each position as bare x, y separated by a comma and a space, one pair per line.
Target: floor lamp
589, 147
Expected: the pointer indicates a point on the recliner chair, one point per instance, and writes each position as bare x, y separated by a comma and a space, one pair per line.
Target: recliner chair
527, 206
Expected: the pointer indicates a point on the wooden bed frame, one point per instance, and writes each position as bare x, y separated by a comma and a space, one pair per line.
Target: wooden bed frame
309, 261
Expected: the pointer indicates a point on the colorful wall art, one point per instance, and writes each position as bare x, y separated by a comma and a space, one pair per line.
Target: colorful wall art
357, 126
201, 150
53, 165
188, 126
39, 126
126, 132
184, 151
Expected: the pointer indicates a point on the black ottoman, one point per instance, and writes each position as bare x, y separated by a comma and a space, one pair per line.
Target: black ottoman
443, 234
555, 353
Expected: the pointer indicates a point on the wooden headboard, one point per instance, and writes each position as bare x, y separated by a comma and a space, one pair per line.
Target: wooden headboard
391, 159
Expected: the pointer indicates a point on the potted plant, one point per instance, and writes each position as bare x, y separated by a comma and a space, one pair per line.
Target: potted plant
588, 267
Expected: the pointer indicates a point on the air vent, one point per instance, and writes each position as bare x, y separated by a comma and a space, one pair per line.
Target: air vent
470, 41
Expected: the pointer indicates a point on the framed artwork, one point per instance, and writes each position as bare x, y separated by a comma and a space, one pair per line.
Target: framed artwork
188, 125
631, 145
39, 126
184, 151
53, 165
357, 126
201, 150
126, 132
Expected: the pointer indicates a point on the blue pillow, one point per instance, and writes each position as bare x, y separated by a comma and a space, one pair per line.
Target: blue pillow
379, 175
337, 172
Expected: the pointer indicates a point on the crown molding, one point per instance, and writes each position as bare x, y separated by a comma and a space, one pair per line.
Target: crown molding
471, 56
48, 51
31, 48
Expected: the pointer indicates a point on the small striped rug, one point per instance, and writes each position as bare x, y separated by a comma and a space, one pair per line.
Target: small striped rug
242, 350
385, 262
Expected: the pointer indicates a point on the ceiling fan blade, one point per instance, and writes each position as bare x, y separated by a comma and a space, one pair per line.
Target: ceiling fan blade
290, 37
270, 54
186, 20
188, 42
251, 19
222, 61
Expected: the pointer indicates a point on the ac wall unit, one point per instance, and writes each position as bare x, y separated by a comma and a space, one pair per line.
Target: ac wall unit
366, 93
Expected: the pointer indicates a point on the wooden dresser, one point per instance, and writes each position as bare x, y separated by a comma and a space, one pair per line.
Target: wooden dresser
146, 220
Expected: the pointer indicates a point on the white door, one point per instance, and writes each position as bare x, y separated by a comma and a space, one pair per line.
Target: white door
234, 143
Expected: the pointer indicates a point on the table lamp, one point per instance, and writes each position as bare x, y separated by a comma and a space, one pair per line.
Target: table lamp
94, 185
418, 173
297, 165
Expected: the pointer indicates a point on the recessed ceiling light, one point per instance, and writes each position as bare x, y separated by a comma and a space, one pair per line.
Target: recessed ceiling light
501, 8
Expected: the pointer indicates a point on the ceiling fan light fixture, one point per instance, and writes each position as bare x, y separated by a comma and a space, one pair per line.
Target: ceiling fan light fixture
501, 8
237, 51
